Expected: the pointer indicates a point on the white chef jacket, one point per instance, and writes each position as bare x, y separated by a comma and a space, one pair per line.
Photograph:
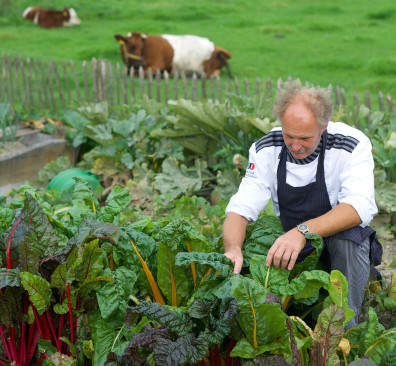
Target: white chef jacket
348, 167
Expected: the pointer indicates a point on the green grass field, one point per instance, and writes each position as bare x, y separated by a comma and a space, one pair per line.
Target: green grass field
349, 43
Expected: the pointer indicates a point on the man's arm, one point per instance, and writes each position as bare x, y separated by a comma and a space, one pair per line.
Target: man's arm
287, 247
234, 232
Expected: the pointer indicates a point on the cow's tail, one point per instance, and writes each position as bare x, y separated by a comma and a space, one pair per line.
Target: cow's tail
223, 60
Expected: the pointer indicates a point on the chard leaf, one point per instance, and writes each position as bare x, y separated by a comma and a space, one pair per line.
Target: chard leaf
310, 262
90, 229
178, 232
10, 306
269, 277
219, 262
38, 289
117, 201
186, 349
262, 323
245, 349
370, 332
327, 335
6, 218
41, 237
82, 192
9, 277
65, 273
113, 296
338, 291
172, 280
306, 285
174, 318
381, 348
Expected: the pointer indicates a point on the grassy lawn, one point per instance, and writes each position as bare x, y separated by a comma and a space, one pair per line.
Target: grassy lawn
349, 43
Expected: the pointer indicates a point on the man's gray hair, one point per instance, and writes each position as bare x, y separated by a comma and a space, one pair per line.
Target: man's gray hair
317, 99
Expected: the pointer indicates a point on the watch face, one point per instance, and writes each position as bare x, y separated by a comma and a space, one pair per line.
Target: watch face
303, 227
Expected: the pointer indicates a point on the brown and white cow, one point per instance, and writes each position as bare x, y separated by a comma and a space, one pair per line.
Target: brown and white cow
184, 53
48, 18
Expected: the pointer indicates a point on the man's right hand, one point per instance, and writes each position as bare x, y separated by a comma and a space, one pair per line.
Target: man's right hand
237, 258
234, 230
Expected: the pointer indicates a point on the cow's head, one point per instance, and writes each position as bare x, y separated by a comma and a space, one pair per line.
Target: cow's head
73, 18
132, 49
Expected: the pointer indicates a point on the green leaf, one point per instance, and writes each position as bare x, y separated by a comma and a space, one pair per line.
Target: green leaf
6, 218
9, 277
174, 180
269, 277
171, 279
338, 291
117, 201
83, 192
262, 323
174, 318
38, 289
113, 296
219, 262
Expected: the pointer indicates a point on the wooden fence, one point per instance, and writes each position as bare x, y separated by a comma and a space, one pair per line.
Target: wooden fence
52, 85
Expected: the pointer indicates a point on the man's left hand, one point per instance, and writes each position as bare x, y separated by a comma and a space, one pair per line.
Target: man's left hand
286, 249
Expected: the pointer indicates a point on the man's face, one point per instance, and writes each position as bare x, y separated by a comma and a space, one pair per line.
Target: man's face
300, 130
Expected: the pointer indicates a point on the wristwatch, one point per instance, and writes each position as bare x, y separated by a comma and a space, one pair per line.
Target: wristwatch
303, 229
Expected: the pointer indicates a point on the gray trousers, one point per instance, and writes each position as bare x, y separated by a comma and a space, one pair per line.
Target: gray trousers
353, 261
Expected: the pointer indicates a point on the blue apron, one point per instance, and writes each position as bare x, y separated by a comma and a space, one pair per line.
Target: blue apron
299, 204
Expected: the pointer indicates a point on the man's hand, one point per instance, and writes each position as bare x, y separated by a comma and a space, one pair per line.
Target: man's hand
286, 249
236, 256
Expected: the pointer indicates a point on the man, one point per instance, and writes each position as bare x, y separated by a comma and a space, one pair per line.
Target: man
319, 175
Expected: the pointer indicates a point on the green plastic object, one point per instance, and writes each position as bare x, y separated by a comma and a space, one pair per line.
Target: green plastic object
64, 181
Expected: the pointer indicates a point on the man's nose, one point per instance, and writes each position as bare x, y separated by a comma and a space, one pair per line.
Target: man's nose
296, 146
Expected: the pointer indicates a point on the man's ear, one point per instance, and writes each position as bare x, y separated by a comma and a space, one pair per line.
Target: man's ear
323, 129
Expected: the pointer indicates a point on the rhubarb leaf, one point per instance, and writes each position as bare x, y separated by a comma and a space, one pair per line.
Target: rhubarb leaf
39, 291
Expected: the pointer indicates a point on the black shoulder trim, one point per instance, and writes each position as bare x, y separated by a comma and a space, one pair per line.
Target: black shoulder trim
273, 138
338, 141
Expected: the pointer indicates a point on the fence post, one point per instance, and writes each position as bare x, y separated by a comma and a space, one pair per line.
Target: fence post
25, 94
203, 86
381, 101
269, 86
36, 71
111, 83
17, 81
246, 83
176, 85
51, 86
29, 82
124, 84
76, 84
258, 86
166, 85
150, 83
58, 83
84, 66
141, 81
218, 82
94, 80
184, 82
158, 84
236, 82
10, 79
355, 101
194, 87
343, 97
45, 84
367, 103
132, 82
66, 78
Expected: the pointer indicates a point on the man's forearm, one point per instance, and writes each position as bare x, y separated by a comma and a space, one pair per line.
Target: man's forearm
341, 217
234, 231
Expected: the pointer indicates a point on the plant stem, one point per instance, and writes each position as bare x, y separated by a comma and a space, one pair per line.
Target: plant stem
70, 315
5, 343
57, 342
9, 263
